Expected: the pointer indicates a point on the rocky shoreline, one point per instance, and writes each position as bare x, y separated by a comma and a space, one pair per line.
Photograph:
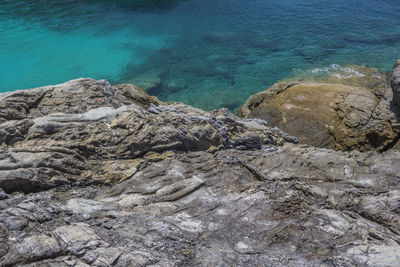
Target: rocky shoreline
351, 108
99, 175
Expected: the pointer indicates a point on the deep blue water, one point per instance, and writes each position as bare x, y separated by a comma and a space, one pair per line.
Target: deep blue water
207, 53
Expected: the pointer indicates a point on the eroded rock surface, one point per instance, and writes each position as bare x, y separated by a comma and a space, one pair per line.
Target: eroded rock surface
120, 179
351, 108
395, 81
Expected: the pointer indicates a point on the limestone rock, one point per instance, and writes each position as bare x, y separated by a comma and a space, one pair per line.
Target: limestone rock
68, 147
346, 110
73, 97
130, 181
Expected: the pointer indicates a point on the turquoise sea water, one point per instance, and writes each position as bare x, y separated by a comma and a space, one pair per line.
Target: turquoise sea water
207, 53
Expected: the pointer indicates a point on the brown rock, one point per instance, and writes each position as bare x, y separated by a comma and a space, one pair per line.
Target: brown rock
348, 109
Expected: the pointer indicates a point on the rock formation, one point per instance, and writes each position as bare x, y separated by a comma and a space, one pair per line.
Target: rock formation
351, 108
99, 175
395, 81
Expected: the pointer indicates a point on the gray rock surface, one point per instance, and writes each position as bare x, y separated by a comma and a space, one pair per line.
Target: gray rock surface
118, 178
395, 81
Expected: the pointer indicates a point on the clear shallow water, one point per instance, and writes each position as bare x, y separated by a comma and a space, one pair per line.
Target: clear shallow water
206, 53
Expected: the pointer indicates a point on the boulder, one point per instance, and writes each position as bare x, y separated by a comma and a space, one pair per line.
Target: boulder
349, 109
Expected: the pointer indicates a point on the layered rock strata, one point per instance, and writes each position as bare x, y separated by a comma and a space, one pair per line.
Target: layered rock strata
99, 175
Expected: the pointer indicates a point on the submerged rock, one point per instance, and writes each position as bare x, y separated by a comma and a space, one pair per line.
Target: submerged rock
101, 175
351, 108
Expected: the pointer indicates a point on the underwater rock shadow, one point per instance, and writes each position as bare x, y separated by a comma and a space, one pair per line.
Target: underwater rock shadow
141, 4
60, 15
162, 91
